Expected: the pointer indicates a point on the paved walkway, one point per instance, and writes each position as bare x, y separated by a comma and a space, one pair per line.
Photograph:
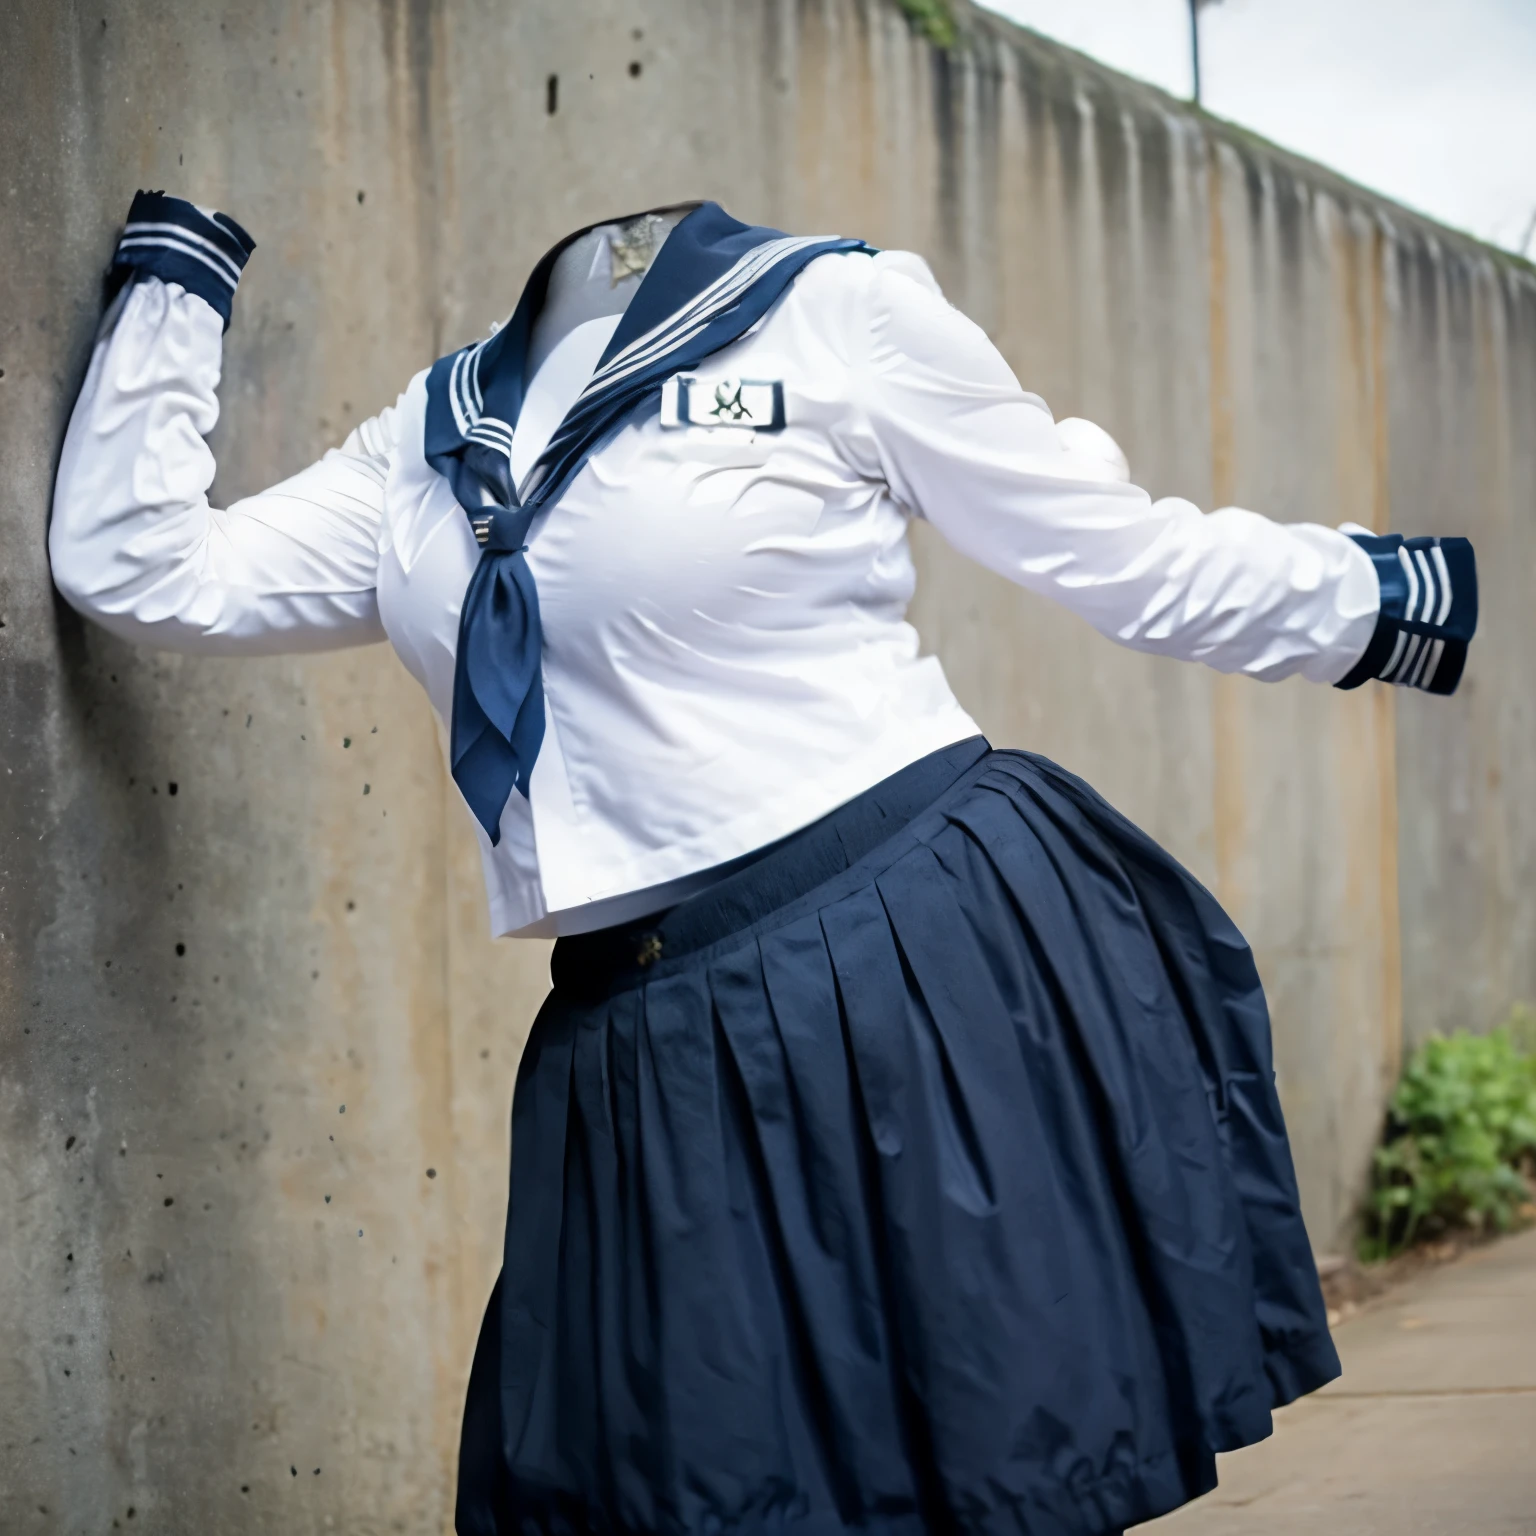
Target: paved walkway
1431, 1431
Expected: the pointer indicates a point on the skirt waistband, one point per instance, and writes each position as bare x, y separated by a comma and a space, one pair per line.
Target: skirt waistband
591, 965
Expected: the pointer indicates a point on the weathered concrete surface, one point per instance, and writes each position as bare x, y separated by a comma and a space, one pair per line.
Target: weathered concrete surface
1249, 327
1430, 1430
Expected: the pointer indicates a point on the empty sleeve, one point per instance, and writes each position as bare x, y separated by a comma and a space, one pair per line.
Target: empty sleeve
135, 544
963, 446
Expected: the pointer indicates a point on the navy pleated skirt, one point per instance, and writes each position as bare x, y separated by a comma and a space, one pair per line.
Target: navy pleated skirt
927, 1175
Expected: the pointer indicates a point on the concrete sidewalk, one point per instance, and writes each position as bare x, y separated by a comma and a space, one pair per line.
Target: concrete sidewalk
1430, 1431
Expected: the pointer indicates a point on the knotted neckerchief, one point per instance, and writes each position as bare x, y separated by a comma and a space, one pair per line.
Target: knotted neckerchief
713, 279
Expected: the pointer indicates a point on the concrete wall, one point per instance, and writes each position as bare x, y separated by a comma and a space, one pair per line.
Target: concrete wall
236, 897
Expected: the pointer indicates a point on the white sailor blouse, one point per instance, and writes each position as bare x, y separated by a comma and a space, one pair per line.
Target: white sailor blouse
679, 551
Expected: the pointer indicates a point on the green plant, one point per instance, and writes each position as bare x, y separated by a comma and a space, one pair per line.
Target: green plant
934, 19
1460, 1146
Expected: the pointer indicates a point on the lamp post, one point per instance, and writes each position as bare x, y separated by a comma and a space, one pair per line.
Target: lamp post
1525, 240
1195, 7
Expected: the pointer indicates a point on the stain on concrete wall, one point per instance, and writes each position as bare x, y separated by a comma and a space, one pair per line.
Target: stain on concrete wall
256, 1052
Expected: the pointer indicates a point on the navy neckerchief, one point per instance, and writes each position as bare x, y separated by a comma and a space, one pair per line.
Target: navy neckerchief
712, 280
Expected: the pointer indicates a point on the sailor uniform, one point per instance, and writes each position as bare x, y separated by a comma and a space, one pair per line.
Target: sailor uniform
726, 660
899, 1146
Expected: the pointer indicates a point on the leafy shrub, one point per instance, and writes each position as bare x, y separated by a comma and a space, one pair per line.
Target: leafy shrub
934, 19
1460, 1146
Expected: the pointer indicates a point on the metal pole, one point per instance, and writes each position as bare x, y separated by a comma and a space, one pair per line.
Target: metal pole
1194, 45
1525, 239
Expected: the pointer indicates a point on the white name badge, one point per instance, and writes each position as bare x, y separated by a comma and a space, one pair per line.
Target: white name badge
691, 400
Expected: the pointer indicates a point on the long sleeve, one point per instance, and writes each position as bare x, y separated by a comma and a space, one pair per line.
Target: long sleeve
962, 445
134, 543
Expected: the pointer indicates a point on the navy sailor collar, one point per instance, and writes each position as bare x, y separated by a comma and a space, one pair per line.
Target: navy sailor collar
475, 395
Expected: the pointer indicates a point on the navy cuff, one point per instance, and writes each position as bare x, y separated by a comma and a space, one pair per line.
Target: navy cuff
174, 240
1428, 612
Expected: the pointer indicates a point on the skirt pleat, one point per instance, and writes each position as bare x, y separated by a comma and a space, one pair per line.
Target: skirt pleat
953, 1194
1149, 1101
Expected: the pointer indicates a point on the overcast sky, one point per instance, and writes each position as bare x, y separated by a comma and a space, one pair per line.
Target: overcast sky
1432, 102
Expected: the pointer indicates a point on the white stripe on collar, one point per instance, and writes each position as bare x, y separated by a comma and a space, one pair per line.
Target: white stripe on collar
681, 326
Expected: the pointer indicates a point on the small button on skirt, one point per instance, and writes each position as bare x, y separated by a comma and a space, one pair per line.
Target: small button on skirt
927, 1175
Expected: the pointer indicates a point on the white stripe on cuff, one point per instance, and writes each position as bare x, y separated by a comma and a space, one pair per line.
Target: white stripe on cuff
181, 232
166, 243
